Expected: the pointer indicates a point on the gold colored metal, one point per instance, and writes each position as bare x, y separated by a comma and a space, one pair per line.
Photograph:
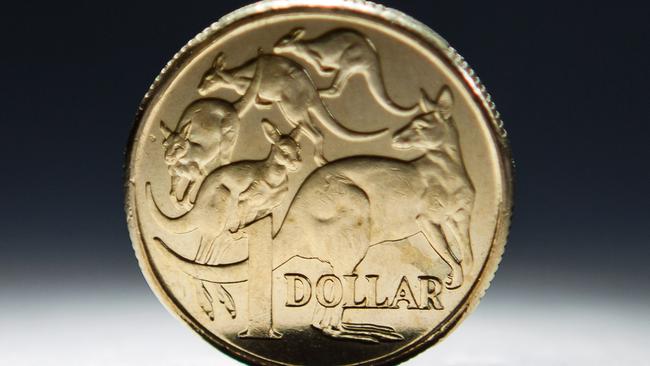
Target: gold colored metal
318, 182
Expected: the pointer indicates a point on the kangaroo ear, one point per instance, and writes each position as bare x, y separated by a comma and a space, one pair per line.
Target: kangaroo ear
270, 132
426, 104
219, 62
298, 34
295, 133
185, 130
445, 102
164, 129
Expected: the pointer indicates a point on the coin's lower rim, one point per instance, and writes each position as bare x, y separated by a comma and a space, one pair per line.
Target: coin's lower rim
387, 17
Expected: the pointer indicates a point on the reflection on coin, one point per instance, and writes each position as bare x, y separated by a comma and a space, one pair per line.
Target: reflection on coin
318, 182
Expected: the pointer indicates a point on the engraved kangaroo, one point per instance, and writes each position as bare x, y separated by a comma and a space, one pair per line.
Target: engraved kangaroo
342, 53
251, 189
349, 205
204, 139
271, 79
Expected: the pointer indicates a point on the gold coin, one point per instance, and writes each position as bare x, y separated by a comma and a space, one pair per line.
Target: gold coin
318, 182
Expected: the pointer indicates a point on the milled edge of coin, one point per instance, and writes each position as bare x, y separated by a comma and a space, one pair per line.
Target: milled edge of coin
391, 18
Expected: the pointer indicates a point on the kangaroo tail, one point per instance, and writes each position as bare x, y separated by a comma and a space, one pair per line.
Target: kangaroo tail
378, 90
227, 273
178, 225
325, 117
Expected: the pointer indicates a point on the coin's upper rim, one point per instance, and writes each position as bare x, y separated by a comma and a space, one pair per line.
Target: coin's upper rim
391, 18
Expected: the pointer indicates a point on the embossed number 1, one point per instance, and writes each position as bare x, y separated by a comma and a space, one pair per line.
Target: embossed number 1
260, 281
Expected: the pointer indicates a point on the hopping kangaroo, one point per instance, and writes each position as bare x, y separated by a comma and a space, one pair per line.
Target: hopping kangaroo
271, 79
344, 53
204, 139
250, 189
349, 205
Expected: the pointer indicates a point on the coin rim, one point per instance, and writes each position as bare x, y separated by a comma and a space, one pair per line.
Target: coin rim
388, 17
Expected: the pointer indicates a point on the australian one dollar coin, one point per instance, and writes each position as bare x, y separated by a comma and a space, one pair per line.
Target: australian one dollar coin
318, 183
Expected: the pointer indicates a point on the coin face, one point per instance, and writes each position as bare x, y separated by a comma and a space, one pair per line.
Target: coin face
318, 183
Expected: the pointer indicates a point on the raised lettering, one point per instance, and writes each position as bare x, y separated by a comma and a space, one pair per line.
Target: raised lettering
329, 290
298, 290
430, 289
404, 293
372, 289
350, 295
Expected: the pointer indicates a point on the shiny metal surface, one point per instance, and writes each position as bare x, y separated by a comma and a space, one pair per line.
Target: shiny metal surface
320, 182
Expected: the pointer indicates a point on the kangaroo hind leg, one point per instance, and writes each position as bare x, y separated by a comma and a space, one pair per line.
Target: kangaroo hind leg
437, 240
316, 137
307, 127
338, 85
205, 300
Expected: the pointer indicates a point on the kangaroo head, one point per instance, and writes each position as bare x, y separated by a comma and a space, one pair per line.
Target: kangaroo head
214, 78
285, 149
289, 42
175, 143
431, 130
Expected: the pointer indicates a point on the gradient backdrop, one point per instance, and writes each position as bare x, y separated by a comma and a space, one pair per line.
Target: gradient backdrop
570, 79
